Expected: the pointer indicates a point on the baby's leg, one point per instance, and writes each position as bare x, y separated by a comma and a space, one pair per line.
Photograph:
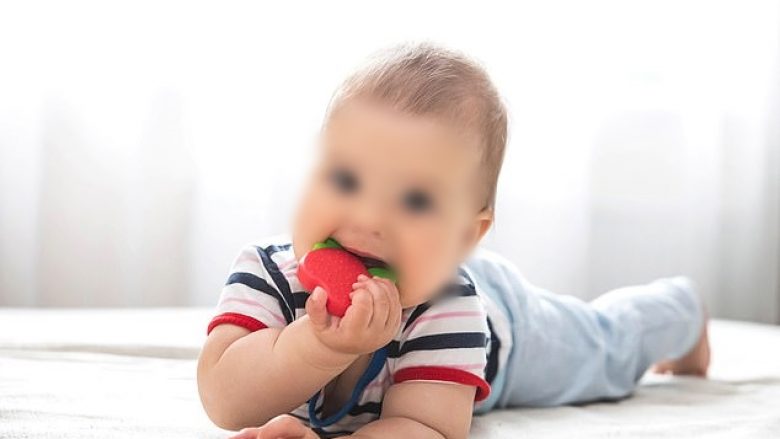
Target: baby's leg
602, 348
693, 361
566, 350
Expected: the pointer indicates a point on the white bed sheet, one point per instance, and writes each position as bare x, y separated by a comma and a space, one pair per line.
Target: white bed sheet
130, 373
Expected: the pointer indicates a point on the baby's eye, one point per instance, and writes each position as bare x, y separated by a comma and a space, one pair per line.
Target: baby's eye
417, 201
344, 180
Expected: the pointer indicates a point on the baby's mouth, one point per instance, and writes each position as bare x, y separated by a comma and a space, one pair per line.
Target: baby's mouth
369, 260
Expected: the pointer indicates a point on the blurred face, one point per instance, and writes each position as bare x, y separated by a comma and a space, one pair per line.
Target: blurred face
396, 187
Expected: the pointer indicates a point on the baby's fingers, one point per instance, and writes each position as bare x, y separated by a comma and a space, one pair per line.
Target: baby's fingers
359, 312
316, 310
394, 309
381, 303
380, 295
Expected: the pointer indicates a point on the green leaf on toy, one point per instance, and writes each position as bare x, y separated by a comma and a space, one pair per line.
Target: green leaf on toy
383, 272
329, 243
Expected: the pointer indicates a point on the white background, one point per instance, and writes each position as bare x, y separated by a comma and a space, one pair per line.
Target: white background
143, 143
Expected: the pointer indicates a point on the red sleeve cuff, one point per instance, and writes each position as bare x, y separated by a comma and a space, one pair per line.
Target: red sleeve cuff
237, 319
444, 374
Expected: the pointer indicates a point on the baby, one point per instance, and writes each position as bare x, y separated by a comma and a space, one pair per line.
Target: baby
411, 149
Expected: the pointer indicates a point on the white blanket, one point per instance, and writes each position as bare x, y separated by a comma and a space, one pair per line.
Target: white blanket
130, 373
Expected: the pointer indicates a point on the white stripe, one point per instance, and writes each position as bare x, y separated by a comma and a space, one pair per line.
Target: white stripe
248, 261
239, 298
447, 325
439, 357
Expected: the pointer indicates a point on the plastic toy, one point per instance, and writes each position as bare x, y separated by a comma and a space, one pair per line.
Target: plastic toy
334, 269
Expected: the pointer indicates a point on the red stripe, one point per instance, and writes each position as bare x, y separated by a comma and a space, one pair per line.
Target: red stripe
444, 374
236, 319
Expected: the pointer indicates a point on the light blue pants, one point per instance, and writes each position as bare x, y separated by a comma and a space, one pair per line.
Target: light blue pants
566, 350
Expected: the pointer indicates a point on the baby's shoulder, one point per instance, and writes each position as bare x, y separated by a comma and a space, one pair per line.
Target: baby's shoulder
270, 251
271, 258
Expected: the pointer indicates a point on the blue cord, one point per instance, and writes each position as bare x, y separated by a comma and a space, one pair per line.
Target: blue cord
374, 367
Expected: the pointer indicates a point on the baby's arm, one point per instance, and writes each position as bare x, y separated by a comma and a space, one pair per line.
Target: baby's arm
423, 409
248, 378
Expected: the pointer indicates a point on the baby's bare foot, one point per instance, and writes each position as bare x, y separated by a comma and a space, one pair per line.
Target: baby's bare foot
695, 362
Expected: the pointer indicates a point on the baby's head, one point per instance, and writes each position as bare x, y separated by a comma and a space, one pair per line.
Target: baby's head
410, 152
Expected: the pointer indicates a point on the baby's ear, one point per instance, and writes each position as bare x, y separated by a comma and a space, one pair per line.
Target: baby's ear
479, 227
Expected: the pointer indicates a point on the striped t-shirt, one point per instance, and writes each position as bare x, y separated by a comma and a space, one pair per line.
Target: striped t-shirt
456, 336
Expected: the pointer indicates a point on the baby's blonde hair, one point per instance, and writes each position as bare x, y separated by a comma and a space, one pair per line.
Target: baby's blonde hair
428, 79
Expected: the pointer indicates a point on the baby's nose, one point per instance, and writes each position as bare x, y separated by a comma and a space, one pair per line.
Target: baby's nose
367, 221
371, 231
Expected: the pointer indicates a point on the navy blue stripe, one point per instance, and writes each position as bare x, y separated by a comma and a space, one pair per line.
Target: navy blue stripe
279, 280
465, 274
491, 368
455, 290
464, 291
421, 308
302, 418
259, 284
454, 340
330, 434
369, 407
299, 298
271, 249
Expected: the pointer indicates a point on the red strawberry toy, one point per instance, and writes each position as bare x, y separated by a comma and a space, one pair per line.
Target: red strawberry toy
334, 269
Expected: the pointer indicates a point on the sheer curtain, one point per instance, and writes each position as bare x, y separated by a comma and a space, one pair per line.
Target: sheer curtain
142, 144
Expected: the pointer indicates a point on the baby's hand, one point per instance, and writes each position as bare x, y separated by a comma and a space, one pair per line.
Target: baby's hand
370, 322
282, 426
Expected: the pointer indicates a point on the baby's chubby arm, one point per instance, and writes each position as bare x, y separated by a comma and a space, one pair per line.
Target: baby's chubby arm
246, 379
423, 409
